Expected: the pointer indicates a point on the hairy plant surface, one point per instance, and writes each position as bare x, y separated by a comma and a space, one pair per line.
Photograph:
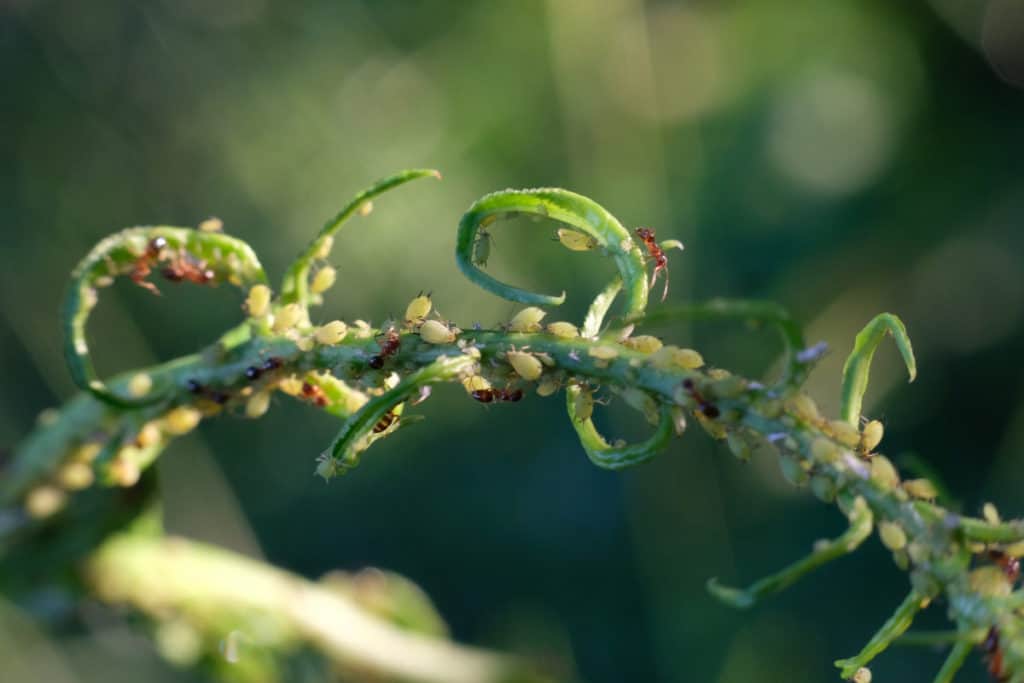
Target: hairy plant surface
72, 485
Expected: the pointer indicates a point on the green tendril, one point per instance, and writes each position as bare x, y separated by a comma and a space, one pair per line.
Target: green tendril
357, 433
581, 213
858, 364
135, 252
954, 662
824, 552
611, 457
892, 629
295, 285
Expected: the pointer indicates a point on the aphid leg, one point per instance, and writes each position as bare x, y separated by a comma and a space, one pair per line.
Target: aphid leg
860, 528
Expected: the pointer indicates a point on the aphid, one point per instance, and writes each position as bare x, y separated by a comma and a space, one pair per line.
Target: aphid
644, 343
258, 301
387, 419
871, 436
212, 224
646, 235
482, 248
287, 318
845, 433
290, 385
547, 386
323, 280
892, 535
332, 333
314, 394
181, 420
418, 310
140, 384
527, 320
257, 405
75, 476
44, 501
583, 404
143, 265
526, 365
436, 332
575, 240
563, 329
602, 352
708, 409
148, 436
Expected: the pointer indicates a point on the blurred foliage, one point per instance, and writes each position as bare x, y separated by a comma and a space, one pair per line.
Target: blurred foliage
840, 158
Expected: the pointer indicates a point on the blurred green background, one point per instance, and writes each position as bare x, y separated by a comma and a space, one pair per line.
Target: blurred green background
841, 158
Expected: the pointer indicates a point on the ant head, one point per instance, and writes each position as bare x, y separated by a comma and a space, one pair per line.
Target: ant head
645, 233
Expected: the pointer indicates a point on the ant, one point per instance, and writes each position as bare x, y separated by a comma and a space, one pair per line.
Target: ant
388, 347
492, 395
994, 656
183, 267
1009, 564
314, 394
706, 407
387, 419
143, 265
646, 235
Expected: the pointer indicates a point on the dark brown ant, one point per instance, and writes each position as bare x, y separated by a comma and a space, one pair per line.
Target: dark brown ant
272, 363
492, 395
706, 407
218, 397
646, 235
388, 347
143, 265
387, 419
314, 394
253, 373
194, 387
1009, 564
994, 656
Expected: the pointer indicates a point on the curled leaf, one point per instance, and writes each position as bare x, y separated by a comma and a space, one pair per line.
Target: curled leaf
610, 457
858, 364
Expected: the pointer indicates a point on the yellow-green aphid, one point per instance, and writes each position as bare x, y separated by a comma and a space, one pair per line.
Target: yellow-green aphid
290, 385
140, 384
563, 329
990, 582
575, 240
257, 405
323, 280
304, 344
602, 352
332, 333
366, 208
893, 536
149, 435
325, 247
668, 357
804, 407
482, 248
258, 302
644, 343
793, 470
871, 436
124, 468
526, 365
583, 404
527, 320
823, 488
476, 383
44, 501
862, 675
181, 420
883, 473
845, 433
824, 450
739, 446
921, 488
436, 332
990, 513
418, 310
75, 476
547, 386
212, 224
287, 318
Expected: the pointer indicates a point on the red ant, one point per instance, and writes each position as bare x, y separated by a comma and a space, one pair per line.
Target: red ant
143, 265
314, 394
387, 419
388, 347
492, 395
1009, 564
646, 235
184, 268
994, 656
706, 407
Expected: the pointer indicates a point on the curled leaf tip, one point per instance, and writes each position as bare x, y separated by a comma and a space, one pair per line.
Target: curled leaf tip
733, 597
858, 364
